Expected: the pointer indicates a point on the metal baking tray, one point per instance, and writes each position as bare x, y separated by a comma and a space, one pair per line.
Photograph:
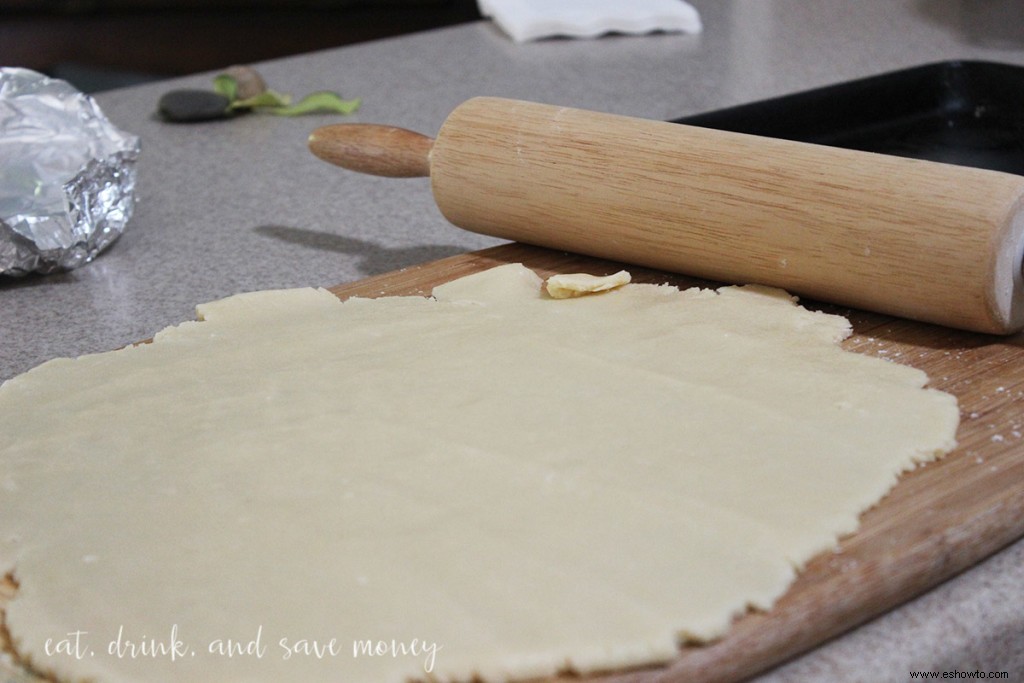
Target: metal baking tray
969, 113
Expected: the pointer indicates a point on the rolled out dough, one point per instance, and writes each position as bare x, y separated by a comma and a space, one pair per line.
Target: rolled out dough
490, 481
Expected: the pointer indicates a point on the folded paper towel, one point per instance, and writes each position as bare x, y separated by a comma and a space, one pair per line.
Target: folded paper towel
527, 20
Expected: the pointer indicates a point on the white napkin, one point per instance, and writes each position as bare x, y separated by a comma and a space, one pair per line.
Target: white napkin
527, 20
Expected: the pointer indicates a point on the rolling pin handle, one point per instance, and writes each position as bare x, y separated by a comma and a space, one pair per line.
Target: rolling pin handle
374, 149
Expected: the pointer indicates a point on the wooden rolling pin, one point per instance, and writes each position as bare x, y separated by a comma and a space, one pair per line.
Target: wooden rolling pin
917, 239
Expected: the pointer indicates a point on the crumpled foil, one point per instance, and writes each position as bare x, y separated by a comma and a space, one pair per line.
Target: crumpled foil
67, 175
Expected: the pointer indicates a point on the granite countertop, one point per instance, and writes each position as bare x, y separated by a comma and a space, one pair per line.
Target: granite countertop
240, 205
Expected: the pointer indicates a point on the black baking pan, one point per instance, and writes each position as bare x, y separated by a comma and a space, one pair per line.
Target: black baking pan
960, 112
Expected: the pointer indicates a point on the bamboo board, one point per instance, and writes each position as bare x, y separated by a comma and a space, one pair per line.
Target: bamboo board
939, 520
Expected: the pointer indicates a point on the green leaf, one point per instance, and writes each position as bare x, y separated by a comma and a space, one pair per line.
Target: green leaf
267, 99
227, 86
322, 101
280, 104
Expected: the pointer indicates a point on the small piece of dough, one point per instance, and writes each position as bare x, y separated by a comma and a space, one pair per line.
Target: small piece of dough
489, 481
568, 285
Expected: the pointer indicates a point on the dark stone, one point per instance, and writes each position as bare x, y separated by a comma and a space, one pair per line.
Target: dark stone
184, 106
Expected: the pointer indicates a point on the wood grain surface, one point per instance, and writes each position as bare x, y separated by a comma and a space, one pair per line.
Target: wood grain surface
939, 520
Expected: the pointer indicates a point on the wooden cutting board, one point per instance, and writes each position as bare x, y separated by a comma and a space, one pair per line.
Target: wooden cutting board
939, 520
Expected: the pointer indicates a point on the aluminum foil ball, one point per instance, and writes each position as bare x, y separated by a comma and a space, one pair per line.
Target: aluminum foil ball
67, 175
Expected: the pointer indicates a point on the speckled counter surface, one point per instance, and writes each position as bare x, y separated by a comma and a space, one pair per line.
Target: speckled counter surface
241, 205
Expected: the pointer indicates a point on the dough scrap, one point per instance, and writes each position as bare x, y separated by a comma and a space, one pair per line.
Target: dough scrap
566, 285
489, 481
